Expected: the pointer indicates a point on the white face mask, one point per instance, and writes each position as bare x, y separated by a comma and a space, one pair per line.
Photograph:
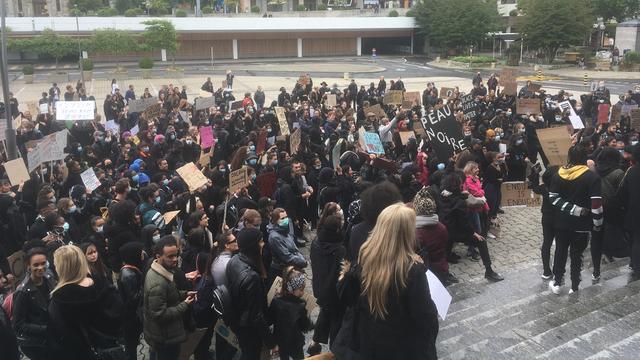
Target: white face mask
100, 229
156, 238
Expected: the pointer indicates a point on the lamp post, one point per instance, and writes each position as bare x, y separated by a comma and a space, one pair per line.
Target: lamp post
10, 145
470, 55
75, 6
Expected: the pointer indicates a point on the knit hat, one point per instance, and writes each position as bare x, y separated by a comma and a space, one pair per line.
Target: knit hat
296, 282
143, 179
423, 203
135, 167
248, 239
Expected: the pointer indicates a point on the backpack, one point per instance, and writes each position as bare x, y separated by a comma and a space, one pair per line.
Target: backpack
222, 304
203, 309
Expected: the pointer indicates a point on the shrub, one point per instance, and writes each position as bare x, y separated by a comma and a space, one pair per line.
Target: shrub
87, 64
322, 7
145, 63
300, 7
474, 59
255, 9
181, 13
133, 12
393, 13
410, 13
513, 12
207, 10
632, 57
107, 12
27, 69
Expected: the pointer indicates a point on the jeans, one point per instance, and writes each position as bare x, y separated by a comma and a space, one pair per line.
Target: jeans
573, 244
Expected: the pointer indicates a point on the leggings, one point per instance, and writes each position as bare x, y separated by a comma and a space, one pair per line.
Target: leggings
573, 244
548, 233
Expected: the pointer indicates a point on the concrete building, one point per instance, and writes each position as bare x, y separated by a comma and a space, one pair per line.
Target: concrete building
628, 36
37, 7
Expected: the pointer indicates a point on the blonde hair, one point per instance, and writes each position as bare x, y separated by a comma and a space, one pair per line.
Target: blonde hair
71, 265
386, 256
470, 167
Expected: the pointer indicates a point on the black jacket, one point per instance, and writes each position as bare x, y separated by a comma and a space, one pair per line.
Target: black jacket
130, 288
290, 322
248, 295
453, 214
629, 195
30, 313
117, 235
579, 186
359, 234
327, 251
8, 341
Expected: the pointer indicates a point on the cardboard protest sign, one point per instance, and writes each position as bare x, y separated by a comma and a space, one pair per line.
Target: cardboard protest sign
603, 113
336, 152
616, 112
407, 105
282, 121
414, 97
469, 106
205, 158
576, 121
112, 126
508, 80
534, 87
170, 215
372, 143
419, 130
555, 143
276, 289
310, 302
238, 179
528, 106
376, 110
444, 133
446, 92
75, 110
262, 141
223, 330
184, 116
294, 141
517, 193
140, 105
393, 97
236, 105
206, 137
635, 119
405, 136
205, 94
49, 148
16, 263
384, 164
152, 112
205, 102
16, 171
192, 176
43, 108
331, 100
89, 179
188, 347
266, 183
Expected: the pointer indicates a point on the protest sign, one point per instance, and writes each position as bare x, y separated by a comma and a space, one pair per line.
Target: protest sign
184, 116
16, 171
205, 94
635, 119
576, 121
206, 137
372, 143
419, 130
616, 112
593, 86
294, 141
393, 97
469, 106
534, 87
43, 108
170, 215
310, 301
205, 158
528, 106
205, 102
276, 289
112, 126
238, 179
188, 347
331, 100
443, 132
555, 143
266, 183
3, 129
517, 193
385, 164
75, 110
282, 121
236, 105
152, 112
34, 158
405, 136
140, 105
407, 105
439, 294
626, 109
414, 97
223, 330
134, 130
16, 263
376, 110
89, 179
262, 141
336, 152
192, 176
603, 113
508, 80
446, 92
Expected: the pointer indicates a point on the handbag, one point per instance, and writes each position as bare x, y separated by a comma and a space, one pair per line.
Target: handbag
111, 353
475, 202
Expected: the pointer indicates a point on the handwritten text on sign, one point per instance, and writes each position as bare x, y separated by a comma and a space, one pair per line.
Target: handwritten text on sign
516, 193
75, 110
444, 132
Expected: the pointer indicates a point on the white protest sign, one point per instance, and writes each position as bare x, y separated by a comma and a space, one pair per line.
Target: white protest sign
3, 129
75, 110
134, 130
576, 121
112, 126
44, 108
89, 179
34, 158
439, 294
16, 171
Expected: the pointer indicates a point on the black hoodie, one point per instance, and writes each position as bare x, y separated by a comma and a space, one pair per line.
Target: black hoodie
326, 253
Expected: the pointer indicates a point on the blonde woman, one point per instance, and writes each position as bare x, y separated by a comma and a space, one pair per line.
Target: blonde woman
82, 316
391, 315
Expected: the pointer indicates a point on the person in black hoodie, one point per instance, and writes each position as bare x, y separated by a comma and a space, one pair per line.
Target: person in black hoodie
327, 251
576, 194
30, 303
629, 195
120, 229
130, 287
548, 215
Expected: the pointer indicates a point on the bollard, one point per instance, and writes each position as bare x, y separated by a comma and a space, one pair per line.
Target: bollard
585, 80
346, 76
539, 75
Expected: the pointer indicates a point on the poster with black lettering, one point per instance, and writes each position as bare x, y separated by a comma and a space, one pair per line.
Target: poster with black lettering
444, 133
469, 106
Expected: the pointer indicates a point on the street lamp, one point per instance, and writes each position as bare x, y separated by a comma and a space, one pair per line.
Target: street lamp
75, 6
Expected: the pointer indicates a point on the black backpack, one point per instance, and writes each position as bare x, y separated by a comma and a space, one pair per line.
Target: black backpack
223, 305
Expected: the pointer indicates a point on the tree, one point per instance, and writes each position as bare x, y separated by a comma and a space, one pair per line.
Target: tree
161, 34
158, 7
115, 42
549, 25
616, 9
85, 6
455, 23
50, 44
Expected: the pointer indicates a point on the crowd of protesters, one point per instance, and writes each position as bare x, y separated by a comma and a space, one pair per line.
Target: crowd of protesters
104, 267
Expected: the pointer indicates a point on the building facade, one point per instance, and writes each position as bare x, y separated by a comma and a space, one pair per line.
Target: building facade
37, 8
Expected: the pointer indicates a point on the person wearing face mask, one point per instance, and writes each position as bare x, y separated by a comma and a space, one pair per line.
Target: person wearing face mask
492, 141
96, 236
121, 229
517, 158
151, 201
68, 209
282, 245
190, 150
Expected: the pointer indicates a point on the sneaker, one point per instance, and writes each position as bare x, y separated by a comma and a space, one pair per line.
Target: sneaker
491, 236
595, 277
500, 211
314, 349
554, 288
547, 276
473, 255
493, 276
571, 291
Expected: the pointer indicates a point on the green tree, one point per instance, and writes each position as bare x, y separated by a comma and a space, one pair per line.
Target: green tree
161, 34
85, 6
549, 25
50, 44
616, 9
158, 7
115, 42
456, 23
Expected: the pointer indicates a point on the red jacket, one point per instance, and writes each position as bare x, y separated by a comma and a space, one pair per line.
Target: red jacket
434, 238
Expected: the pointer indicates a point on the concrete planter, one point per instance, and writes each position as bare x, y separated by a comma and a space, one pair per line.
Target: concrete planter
28, 79
87, 75
146, 73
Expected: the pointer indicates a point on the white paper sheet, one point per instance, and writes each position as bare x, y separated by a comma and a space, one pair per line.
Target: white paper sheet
439, 294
